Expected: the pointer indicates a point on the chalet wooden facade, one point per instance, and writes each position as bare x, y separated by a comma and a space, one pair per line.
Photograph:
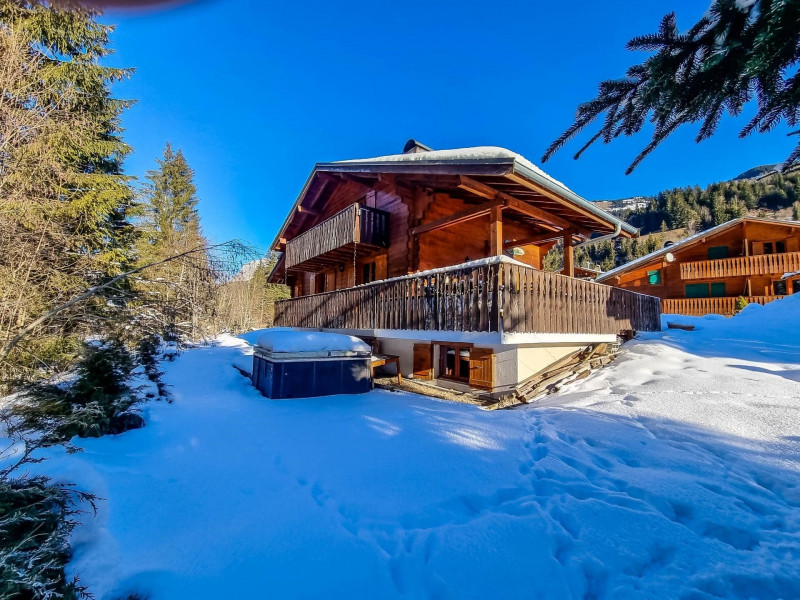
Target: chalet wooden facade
757, 259
415, 250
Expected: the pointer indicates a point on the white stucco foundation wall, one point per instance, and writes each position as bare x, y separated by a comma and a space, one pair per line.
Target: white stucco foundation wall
514, 362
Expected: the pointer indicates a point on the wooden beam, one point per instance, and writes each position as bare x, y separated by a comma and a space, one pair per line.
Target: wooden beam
537, 213
459, 217
537, 239
553, 196
569, 255
477, 188
496, 231
307, 211
281, 244
550, 221
366, 182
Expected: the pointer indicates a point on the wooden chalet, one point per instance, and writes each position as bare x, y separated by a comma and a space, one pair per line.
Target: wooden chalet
757, 259
414, 250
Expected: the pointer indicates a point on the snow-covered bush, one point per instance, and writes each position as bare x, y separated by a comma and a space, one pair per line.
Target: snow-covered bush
36, 518
97, 403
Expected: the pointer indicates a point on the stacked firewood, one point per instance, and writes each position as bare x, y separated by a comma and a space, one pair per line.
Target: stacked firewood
573, 367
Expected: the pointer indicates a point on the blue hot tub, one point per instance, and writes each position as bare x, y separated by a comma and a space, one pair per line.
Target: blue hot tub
309, 375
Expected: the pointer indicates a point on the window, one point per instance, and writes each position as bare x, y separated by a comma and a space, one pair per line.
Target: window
767, 247
780, 247
368, 272
654, 277
717, 252
454, 361
779, 287
796, 286
697, 290
718, 290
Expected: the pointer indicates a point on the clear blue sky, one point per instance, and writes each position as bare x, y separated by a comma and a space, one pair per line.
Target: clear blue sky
255, 93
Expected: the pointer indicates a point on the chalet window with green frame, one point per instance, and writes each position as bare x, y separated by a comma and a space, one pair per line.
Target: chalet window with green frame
718, 289
654, 277
717, 252
696, 290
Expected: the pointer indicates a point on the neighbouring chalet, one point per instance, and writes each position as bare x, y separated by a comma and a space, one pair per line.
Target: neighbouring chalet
757, 259
414, 251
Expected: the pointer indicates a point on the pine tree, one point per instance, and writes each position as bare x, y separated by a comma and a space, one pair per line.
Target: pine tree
180, 292
64, 200
738, 51
172, 198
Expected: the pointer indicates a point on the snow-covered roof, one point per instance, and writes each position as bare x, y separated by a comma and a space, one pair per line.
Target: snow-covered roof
686, 242
480, 154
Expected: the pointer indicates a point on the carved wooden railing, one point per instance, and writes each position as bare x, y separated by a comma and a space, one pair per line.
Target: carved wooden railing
709, 306
482, 297
354, 224
763, 264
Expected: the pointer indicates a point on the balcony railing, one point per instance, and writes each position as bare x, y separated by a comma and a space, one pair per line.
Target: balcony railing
488, 296
708, 306
335, 238
764, 264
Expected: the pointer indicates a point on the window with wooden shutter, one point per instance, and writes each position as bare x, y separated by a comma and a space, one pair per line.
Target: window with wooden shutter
654, 277
696, 290
718, 289
758, 248
481, 368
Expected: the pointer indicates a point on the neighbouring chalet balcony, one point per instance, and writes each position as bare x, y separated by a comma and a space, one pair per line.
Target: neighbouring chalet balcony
354, 229
708, 306
493, 295
764, 264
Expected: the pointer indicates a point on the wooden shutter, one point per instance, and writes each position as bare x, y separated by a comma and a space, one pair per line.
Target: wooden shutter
423, 361
481, 368
718, 289
792, 244
758, 248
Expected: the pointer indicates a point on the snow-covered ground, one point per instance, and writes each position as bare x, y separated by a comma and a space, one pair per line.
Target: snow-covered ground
674, 473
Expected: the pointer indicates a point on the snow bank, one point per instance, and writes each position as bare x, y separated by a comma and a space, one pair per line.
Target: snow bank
673, 473
281, 339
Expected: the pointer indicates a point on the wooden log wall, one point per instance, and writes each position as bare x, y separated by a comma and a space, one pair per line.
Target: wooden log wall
483, 298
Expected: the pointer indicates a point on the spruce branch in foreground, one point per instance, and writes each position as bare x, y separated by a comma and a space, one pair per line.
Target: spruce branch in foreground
738, 52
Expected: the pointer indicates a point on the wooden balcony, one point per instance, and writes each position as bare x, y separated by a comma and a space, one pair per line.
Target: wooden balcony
496, 297
356, 229
709, 306
765, 264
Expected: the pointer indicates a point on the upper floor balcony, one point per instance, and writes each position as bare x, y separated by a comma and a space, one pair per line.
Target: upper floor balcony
335, 239
764, 264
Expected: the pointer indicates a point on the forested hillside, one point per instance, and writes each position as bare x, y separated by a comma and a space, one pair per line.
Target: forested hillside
697, 208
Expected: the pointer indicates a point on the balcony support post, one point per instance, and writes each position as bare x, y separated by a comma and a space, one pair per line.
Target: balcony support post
569, 255
496, 231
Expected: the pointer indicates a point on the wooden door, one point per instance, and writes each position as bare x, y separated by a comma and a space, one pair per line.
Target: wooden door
423, 361
481, 368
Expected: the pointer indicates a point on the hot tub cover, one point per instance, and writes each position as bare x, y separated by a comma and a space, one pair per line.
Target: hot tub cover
283, 339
